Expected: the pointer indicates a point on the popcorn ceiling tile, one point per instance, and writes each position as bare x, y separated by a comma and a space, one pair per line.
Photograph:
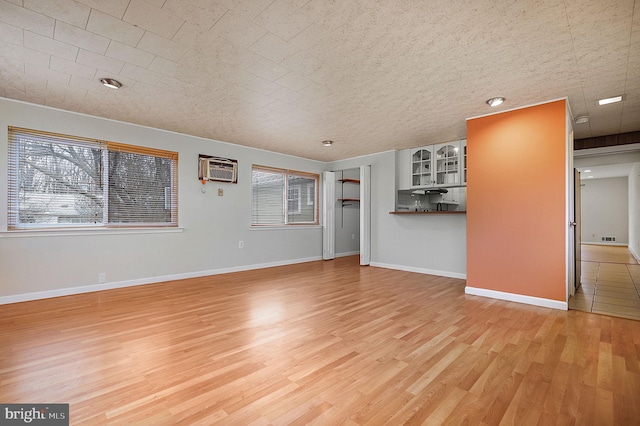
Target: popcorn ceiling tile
246, 8
332, 15
21, 54
140, 74
303, 63
293, 81
47, 45
27, 19
83, 39
110, 65
237, 29
262, 86
115, 8
204, 14
192, 36
68, 11
73, 68
110, 27
283, 20
164, 66
274, 48
10, 34
129, 54
151, 18
157, 45
268, 69
35, 71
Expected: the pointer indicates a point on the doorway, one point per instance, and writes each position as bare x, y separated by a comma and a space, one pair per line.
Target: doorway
610, 282
347, 214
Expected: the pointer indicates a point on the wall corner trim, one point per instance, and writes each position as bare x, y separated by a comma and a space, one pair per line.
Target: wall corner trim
520, 298
25, 297
420, 270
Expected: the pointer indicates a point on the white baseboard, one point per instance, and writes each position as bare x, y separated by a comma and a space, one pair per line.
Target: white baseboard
602, 243
350, 253
520, 298
421, 270
634, 253
142, 281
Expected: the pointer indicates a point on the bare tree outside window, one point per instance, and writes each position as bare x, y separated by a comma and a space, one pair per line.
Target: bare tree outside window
57, 180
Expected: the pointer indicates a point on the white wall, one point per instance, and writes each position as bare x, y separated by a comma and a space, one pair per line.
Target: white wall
37, 266
634, 210
421, 243
605, 209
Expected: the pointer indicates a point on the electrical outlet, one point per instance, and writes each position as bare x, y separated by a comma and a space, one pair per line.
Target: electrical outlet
102, 277
220, 192
353, 236
241, 244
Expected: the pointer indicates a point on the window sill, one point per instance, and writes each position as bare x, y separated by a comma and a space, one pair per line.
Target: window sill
85, 231
280, 227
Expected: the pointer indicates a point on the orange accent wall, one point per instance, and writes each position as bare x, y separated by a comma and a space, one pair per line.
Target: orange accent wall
516, 201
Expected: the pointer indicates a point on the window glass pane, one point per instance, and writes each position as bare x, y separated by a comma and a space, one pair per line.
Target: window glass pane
56, 183
57, 180
267, 190
139, 188
299, 209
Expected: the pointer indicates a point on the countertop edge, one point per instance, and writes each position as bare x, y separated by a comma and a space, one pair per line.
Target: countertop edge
433, 212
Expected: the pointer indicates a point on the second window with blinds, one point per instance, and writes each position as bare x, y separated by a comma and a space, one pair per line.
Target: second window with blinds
283, 197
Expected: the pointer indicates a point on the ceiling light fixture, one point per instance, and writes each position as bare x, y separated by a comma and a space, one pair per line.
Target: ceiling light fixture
327, 143
612, 100
588, 171
581, 119
495, 101
111, 83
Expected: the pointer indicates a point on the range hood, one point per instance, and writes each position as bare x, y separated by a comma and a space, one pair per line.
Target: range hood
430, 191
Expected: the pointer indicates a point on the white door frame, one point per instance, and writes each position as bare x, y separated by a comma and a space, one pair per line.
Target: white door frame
365, 215
328, 215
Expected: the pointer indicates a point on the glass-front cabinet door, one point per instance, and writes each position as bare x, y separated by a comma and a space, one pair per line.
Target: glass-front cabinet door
421, 167
448, 162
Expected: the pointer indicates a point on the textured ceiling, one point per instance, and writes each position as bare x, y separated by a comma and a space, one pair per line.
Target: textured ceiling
284, 75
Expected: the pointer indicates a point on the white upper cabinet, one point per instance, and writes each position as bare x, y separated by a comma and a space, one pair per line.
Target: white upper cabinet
422, 167
447, 164
440, 165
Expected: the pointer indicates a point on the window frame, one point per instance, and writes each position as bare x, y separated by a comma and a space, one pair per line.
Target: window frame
285, 197
105, 147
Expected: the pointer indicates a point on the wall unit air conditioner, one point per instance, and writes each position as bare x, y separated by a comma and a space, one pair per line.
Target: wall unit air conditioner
218, 169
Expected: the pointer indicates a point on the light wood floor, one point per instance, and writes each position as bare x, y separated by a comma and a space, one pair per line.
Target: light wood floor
610, 282
325, 343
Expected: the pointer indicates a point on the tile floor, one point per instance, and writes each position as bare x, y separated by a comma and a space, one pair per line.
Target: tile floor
610, 282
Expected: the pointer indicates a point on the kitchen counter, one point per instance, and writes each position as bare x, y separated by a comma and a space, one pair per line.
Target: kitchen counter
432, 212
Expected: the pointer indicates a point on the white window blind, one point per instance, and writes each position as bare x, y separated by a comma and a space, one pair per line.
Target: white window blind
66, 181
283, 197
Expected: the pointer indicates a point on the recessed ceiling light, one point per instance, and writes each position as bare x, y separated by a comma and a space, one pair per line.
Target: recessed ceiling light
588, 171
327, 143
612, 100
589, 177
495, 101
111, 83
581, 119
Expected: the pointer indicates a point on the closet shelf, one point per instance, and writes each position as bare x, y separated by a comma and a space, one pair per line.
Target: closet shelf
349, 180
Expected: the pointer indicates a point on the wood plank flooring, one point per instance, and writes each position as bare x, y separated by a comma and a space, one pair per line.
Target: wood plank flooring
326, 343
610, 282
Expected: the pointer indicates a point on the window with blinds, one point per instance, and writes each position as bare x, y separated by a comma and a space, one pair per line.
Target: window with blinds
283, 197
66, 181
